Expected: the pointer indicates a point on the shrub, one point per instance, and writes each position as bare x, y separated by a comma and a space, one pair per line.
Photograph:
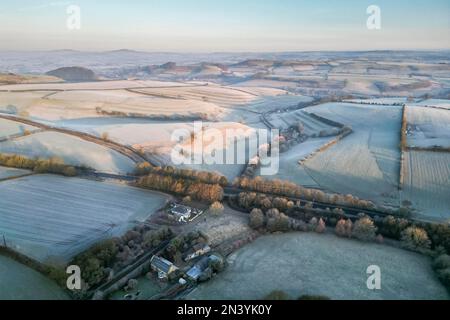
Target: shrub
105, 136
277, 295
216, 208
187, 200
256, 219
344, 228
69, 171
320, 226
414, 238
364, 229
441, 265
313, 223
277, 221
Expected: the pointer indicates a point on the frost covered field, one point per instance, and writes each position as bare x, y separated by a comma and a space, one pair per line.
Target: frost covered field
339, 271
154, 138
6, 173
428, 127
365, 163
290, 168
19, 282
11, 128
72, 150
439, 103
427, 183
50, 217
311, 126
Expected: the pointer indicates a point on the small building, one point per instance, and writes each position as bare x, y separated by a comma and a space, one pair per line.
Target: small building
196, 271
197, 251
181, 213
162, 266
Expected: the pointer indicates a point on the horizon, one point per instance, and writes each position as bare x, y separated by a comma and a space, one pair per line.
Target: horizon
230, 52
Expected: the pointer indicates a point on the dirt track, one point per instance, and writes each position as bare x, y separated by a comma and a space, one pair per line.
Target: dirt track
127, 151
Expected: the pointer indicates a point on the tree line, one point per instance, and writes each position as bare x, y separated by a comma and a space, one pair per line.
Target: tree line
289, 189
185, 187
146, 168
53, 165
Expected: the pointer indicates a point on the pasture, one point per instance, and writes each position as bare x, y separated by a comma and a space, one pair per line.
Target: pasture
366, 163
313, 264
72, 150
428, 127
19, 282
427, 183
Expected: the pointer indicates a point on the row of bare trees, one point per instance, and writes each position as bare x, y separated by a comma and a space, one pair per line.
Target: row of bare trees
146, 168
289, 189
52, 165
184, 187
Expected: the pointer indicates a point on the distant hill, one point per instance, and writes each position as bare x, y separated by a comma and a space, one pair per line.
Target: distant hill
11, 78
74, 74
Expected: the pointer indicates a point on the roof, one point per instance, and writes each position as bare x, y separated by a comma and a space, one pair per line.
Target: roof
200, 246
194, 272
161, 264
180, 210
198, 268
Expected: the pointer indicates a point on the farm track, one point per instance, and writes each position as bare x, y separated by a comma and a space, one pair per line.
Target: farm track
122, 149
56, 90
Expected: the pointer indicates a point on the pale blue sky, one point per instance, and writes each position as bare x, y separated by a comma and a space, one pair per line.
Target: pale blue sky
228, 25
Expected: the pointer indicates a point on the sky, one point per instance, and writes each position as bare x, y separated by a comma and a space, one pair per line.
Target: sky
224, 25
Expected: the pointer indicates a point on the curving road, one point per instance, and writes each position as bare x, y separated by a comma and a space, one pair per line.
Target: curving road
125, 150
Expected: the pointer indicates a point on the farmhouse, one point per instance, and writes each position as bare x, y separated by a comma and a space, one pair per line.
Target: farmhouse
202, 267
162, 266
181, 213
196, 271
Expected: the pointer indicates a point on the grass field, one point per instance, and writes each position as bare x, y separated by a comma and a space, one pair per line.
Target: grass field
307, 263
429, 127
291, 170
19, 282
72, 150
7, 173
52, 217
427, 183
11, 128
365, 163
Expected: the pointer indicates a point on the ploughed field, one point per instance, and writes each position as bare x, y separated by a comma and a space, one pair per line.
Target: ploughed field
366, 163
313, 264
427, 183
52, 218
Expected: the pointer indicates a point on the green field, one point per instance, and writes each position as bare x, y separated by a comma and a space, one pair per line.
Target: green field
307, 263
18, 282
